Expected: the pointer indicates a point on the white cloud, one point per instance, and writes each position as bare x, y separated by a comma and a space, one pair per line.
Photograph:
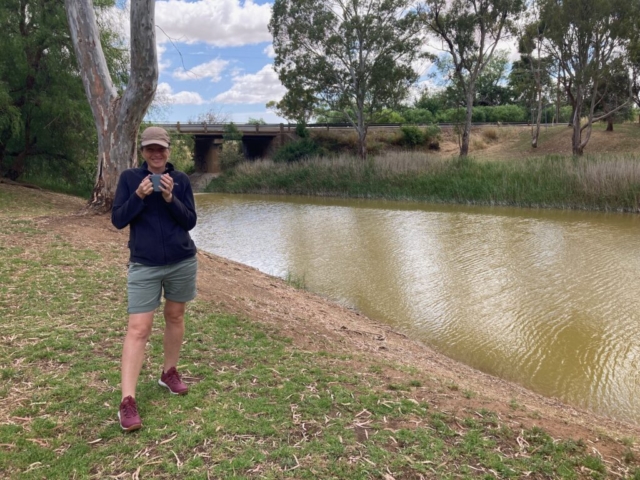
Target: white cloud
258, 87
212, 70
223, 23
269, 51
162, 64
165, 95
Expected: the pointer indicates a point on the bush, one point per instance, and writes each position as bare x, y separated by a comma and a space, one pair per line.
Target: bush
296, 151
490, 134
506, 113
432, 137
302, 131
501, 113
182, 153
230, 154
412, 136
419, 116
231, 132
388, 116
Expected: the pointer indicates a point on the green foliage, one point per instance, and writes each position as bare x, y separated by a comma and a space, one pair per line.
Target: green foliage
432, 101
230, 154
297, 150
386, 115
502, 113
231, 132
563, 182
352, 56
256, 121
412, 136
302, 131
418, 116
182, 152
46, 126
587, 37
470, 31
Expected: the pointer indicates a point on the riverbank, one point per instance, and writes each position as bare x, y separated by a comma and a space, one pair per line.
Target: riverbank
283, 382
606, 183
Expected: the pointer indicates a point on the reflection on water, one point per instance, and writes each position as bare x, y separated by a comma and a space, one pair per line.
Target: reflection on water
545, 298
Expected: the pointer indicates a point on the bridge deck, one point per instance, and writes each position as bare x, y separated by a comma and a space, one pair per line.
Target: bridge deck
272, 129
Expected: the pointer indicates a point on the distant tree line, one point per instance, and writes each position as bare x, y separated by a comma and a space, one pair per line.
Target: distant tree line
355, 62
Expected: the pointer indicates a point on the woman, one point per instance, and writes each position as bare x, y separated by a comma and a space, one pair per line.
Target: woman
163, 259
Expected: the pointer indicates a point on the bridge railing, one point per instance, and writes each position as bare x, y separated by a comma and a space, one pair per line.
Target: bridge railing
290, 127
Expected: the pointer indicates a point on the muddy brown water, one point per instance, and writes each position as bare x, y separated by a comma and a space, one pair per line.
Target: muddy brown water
546, 298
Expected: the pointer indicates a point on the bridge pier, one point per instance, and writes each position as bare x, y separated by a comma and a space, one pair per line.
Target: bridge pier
207, 154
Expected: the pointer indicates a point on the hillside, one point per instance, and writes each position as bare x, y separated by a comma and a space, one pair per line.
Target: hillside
512, 143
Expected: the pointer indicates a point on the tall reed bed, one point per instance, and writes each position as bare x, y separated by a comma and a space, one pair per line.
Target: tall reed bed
609, 182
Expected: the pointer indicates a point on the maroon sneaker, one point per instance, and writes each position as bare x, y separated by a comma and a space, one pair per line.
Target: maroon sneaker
171, 380
128, 415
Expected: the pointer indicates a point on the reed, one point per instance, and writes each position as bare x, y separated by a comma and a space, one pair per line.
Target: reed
601, 182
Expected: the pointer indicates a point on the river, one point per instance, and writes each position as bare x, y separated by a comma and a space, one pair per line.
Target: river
545, 298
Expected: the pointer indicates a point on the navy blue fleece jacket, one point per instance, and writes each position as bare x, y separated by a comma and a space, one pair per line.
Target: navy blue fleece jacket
158, 231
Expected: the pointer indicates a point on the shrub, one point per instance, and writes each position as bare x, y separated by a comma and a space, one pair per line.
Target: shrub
412, 136
432, 137
490, 134
231, 132
182, 153
296, 151
420, 116
388, 116
479, 114
230, 154
302, 131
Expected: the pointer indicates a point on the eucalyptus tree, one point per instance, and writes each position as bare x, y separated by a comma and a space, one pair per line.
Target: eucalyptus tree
353, 56
469, 32
117, 114
585, 38
536, 66
615, 105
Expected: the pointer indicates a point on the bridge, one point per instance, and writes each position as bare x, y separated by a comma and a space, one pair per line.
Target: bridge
258, 141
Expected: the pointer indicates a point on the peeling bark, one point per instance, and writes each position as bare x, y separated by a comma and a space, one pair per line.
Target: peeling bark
117, 118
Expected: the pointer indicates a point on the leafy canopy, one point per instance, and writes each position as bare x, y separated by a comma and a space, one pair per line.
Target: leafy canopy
354, 57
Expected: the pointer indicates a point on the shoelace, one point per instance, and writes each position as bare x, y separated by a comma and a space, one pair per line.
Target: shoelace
172, 376
130, 409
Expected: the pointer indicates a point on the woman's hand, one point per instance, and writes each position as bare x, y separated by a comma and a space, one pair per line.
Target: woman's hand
166, 186
145, 188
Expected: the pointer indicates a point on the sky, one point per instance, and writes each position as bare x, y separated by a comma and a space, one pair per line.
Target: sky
216, 56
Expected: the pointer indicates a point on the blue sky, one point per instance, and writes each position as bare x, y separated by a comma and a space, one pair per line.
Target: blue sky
215, 55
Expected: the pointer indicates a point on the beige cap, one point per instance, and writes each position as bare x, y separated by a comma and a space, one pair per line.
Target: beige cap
155, 136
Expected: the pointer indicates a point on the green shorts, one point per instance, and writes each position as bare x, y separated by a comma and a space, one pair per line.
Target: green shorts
145, 284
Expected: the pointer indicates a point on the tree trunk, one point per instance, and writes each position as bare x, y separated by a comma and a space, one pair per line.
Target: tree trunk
610, 124
466, 131
536, 135
362, 139
117, 118
19, 163
576, 137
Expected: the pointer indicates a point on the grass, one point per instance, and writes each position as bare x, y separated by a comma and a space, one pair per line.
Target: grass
599, 182
258, 407
296, 281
